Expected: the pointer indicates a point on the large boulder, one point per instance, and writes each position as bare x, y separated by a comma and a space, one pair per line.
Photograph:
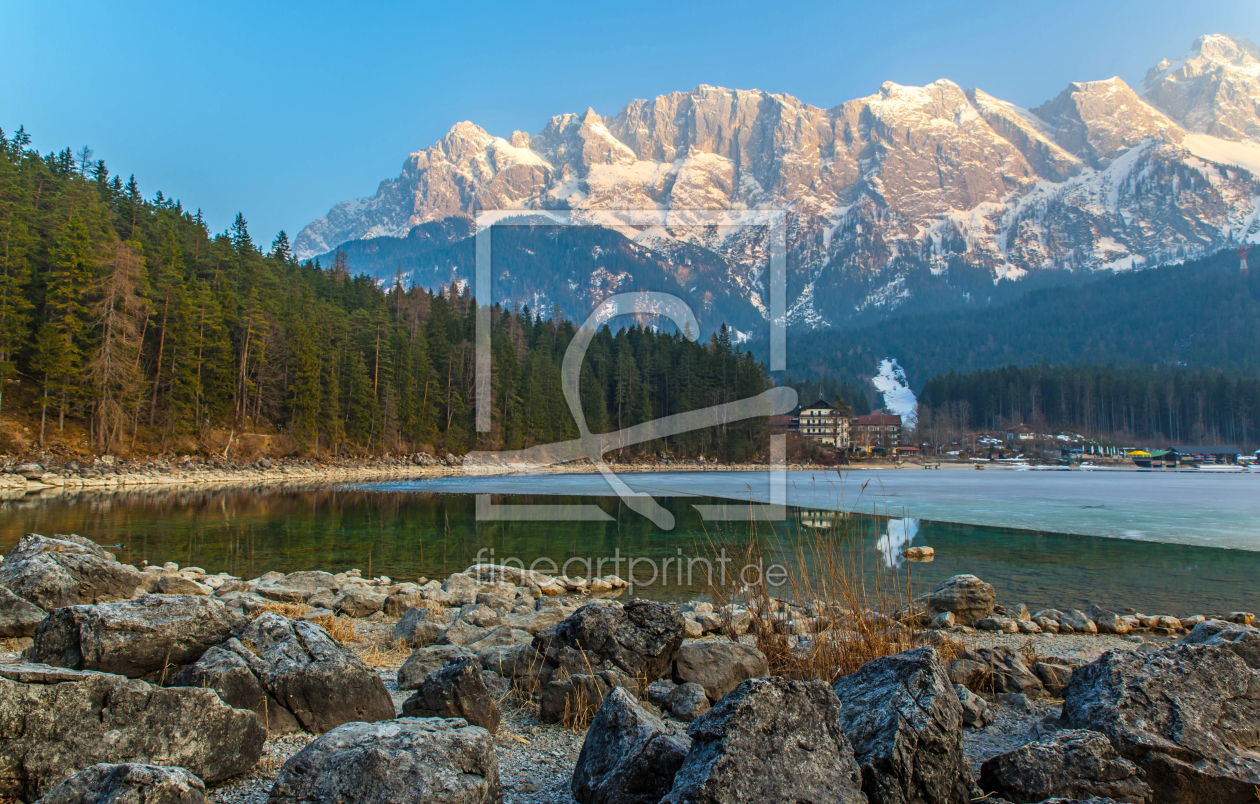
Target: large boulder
640, 639
769, 739
719, 667
904, 721
55, 722
1073, 763
994, 670
1188, 715
420, 627
236, 674
967, 597
304, 671
129, 783
65, 571
18, 616
150, 636
1241, 639
458, 690
404, 761
629, 755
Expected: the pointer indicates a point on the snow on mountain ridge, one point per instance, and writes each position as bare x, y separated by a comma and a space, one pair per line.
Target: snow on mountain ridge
908, 179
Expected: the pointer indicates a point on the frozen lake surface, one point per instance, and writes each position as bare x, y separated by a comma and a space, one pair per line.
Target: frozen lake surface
1209, 510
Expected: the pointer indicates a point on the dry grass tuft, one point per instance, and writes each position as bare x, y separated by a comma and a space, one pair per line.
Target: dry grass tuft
828, 619
385, 653
341, 629
290, 610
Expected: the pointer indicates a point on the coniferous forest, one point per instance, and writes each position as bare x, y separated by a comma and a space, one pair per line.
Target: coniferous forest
1126, 405
126, 325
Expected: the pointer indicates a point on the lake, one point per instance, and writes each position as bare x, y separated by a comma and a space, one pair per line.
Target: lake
1174, 543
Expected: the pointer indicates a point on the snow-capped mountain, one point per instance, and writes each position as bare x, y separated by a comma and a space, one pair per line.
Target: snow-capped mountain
922, 195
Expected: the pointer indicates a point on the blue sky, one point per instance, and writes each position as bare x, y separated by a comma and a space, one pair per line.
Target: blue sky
280, 110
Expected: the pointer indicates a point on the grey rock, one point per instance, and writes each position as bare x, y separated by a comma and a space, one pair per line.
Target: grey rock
359, 601
769, 739
904, 721
640, 639
18, 617
419, 627
1054, 677
403, 761
1071, 764
575, 698
236, 674
995, 669
129, 783
152, 635
320, 682
457, 690
1078, 622
975, 710
629, 756
1017, 701
1241, 639
424, 661
966, 596
462, 632
1187, 715
65, 571
98, 717
296, 587
687, 701
719, 667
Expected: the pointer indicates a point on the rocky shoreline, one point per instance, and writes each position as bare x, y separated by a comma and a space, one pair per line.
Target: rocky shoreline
105, 474
167, 684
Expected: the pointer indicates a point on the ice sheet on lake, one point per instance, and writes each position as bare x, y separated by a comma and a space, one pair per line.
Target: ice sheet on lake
1212, 510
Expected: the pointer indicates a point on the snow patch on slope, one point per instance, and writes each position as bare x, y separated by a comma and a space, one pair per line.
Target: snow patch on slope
1245, 155
898, 398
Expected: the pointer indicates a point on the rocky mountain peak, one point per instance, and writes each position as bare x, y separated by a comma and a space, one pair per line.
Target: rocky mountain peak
1098, 120
1214, 89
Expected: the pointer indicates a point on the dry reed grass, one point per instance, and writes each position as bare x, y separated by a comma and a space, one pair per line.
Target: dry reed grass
341, 629
384, 653
831, 616
290, 610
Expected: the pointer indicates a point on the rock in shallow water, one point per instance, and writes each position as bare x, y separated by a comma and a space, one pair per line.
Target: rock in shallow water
129, 783
966, 596
59, 722
769, 739
403, 761
904, 721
